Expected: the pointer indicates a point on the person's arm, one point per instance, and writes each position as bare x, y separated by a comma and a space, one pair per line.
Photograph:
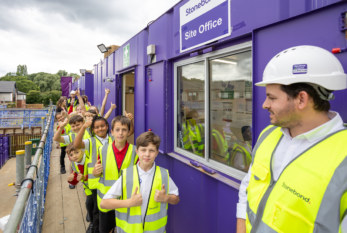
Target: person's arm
241, 225
131, 117
57, 136
135, 200
242, 204
78, 142
161, 196
102, 110
80, 101
113, 107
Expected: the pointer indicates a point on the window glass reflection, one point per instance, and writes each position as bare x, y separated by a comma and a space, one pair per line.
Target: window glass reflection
191, 108
231, 110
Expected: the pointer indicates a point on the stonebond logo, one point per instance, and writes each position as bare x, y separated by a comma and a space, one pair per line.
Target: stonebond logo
294, 192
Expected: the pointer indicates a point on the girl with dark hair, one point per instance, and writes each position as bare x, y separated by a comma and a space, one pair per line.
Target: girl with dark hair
99, 130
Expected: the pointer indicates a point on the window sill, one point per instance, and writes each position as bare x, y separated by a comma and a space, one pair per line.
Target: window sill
217, 175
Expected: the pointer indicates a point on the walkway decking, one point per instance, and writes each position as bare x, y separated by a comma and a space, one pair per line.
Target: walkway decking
64, 208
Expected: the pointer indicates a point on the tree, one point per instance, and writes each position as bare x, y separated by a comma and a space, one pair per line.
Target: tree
34, 97
61, 73
22, 70
50, 95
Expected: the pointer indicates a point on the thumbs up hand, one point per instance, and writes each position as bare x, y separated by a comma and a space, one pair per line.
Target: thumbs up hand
136, 198
160, 195
98, 168
113, 106
71, 177
80, 177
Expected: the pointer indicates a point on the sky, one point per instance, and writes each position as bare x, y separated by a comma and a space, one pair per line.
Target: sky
52, 35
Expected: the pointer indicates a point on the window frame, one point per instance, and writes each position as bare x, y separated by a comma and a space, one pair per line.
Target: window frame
228, 170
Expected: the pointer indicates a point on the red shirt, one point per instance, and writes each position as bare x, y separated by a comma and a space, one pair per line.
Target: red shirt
120, 154
81, 169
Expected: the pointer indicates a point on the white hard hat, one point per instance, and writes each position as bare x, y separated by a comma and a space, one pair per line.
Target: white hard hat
305, 64
72, 92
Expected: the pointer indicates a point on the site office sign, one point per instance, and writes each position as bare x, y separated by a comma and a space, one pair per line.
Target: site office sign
203, 21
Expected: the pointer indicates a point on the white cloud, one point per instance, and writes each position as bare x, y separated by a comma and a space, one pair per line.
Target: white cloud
52, 35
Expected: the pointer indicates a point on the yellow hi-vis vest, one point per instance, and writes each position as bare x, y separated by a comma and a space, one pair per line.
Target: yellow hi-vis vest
194, 137
129, 220
310, 195
110, 172
91, 154
72, 136
75, 168
67, 130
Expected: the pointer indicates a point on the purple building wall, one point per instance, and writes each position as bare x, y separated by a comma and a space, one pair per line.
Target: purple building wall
208, 204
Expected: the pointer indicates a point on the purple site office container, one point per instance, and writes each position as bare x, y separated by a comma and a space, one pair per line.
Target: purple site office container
163, 71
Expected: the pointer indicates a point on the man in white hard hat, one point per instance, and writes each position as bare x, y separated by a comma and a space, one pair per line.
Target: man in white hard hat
72, 101
297, 181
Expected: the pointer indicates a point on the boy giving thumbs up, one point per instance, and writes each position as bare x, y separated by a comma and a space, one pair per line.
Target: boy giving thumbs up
145, 190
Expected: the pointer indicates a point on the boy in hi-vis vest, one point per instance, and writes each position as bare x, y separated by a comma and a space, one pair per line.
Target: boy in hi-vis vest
142, 194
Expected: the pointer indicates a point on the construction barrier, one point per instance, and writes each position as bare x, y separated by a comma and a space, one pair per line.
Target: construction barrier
21, 117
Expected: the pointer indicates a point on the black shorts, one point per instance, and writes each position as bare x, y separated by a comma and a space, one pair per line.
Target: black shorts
107, 221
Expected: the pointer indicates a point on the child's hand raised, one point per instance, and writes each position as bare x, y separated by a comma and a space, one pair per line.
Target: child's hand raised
136, 198
107, 91
128, 115
97, 168
160, 195
63, 123
113, 106
88, 122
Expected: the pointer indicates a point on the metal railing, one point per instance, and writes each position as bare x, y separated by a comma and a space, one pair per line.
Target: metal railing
27, 213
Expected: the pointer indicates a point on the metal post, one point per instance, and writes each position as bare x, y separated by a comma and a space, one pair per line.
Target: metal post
19, 168
42, 124
28, 148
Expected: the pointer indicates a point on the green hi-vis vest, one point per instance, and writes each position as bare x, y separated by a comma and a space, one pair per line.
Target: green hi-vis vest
67, 130
92, 154
193, 138
75, 168
110, 169
310, 195
129, 220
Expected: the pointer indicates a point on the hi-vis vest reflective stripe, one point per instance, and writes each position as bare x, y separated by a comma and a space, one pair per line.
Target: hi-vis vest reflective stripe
75, 168
309, 196
67, 129
129, 219
110, 173
92, 154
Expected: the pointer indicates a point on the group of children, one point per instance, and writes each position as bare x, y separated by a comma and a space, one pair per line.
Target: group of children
124, 187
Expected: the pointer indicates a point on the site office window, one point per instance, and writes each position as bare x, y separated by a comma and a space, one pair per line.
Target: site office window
213, 114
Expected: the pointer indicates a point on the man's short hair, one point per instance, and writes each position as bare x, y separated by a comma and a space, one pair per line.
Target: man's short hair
147, 137
76, 118
294, 89
122, 119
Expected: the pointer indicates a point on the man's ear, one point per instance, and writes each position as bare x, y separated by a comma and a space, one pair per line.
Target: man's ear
302, 100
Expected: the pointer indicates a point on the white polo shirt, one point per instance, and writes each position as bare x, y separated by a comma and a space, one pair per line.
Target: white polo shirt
145, 188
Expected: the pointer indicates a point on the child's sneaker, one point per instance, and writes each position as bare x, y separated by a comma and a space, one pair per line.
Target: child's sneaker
71, 186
